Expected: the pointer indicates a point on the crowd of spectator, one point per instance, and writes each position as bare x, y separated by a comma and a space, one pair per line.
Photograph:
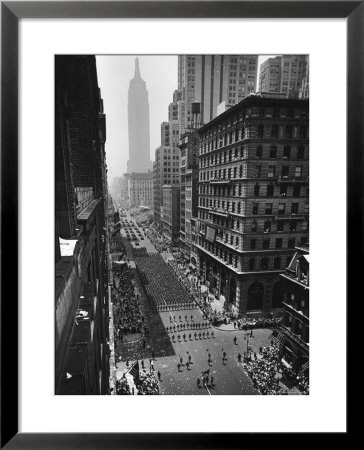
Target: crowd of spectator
122, 387
193, 285
157, 239
147, 384
127, 312
160, 283
264, 368
116, 243
263, 371
300, 380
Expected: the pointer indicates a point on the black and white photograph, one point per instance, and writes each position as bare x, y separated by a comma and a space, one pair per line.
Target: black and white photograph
182, 224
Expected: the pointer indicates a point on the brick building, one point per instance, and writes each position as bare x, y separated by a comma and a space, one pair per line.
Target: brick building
81, 311
253, 198
295, 325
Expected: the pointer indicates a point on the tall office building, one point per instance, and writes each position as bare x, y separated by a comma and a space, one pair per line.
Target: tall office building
189, 145
211, 80
165, 134
138, 122
284, 75
165, 172
253, 199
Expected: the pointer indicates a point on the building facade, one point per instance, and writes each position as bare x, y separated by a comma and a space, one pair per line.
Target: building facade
140, 188
295, 325
171, 205
165, 142
138, 124
284, 74
189, 145
211, 80
165, 171
253, 198
81, 303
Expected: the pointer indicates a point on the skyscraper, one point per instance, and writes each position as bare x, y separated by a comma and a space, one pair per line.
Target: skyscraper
138, 122
285, 75
211, 80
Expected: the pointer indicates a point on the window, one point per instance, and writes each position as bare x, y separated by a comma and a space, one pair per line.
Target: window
257, 171
296, 190
287, 151
294, 208
259, 151
255, 209
277, 262
298, 171
307, 208
256, 190
260, 131
266, 244
251, 263
268, 208
280, 226
253, 243
267, 226
273, 151
283, 190
302, 133
288, 131
285, 171
300, 151
279, 242
281, 209
293, 226
271, 171
305, 226
291, 243
254, 226
264, 263
274, 131
270, 190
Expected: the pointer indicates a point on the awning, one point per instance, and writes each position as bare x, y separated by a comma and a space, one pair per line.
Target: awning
306, 257
286, 363
67, 246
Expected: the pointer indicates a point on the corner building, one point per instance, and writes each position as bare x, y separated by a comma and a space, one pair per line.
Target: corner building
253, 199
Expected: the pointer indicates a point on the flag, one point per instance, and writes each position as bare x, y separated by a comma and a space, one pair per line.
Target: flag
134, 371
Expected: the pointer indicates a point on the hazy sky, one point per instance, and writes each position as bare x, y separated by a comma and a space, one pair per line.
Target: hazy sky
114, 73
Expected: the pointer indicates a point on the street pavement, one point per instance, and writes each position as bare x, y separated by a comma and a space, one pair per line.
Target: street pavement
229, 376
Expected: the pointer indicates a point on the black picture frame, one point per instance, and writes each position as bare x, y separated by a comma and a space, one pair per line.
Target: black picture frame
11, 12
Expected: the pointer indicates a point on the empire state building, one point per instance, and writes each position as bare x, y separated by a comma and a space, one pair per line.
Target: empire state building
138, 121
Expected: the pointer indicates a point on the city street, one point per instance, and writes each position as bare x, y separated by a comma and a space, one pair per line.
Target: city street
229, 377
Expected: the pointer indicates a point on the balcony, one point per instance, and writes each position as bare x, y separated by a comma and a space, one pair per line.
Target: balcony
289, 217
220, 181
220, 212
291, 180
